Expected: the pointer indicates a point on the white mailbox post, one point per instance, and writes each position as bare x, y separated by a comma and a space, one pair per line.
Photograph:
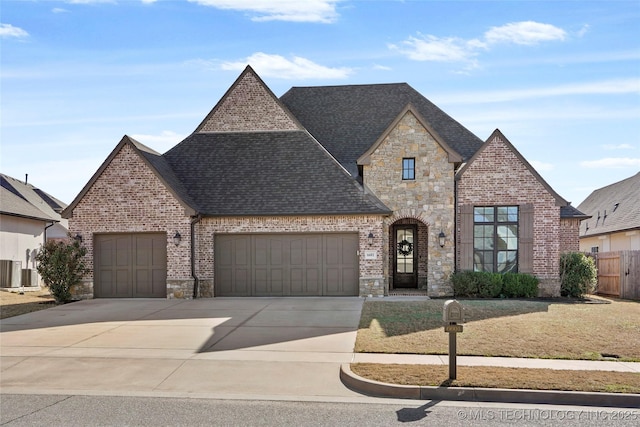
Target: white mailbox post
452, 317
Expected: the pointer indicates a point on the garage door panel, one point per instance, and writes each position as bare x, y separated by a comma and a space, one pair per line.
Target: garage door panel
286, 264
130, 266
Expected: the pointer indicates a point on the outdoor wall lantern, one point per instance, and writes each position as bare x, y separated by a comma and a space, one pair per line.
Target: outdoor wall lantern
370, 238
441, 237
78, 237
177, 238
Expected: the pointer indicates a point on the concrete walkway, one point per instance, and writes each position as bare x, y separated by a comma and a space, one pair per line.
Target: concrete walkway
272, 348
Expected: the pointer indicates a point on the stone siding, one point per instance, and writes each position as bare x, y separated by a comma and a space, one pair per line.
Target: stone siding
498, 177
429, 198
129, 198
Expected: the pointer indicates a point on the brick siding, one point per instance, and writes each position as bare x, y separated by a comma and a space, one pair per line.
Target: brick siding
248, 107
129, 198
498, 177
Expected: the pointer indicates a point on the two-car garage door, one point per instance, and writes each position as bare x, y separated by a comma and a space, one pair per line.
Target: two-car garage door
130, 265
286, 264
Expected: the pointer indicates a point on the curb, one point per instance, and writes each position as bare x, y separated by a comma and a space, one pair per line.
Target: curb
550, 397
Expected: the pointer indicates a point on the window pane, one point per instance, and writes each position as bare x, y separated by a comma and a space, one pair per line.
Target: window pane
506, 261
507, 214
408, 168
483, 214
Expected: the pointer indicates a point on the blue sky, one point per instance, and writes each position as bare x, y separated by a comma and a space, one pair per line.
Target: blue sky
561, 79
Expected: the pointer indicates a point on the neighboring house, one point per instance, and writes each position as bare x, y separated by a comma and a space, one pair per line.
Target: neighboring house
615, 217
28, 217
334, 190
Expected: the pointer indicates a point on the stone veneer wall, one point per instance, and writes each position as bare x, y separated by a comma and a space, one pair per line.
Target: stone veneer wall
498, 177
128, 198
429, 198
372, 279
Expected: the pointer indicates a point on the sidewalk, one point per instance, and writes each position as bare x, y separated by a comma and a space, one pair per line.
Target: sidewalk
551, 397
507, 362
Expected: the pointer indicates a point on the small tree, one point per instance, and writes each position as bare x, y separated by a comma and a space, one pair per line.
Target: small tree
578, 274
61, 266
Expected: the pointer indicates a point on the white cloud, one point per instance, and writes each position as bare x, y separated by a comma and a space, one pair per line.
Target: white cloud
454, 49
59, 10
612, 163
584, 30
277, 66
541, 166
524, 33
438, 49
618, 147
323, 11
8, 30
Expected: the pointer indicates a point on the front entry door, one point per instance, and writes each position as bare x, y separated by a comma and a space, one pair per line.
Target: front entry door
405, 265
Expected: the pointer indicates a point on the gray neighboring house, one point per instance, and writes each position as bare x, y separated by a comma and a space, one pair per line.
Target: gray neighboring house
28, 218
615, 217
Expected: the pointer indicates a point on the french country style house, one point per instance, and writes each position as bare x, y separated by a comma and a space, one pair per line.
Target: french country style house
325, 191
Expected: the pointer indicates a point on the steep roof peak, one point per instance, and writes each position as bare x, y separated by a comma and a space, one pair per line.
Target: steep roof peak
248, 106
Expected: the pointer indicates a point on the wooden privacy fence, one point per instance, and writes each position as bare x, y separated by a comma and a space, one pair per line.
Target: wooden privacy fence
619, 274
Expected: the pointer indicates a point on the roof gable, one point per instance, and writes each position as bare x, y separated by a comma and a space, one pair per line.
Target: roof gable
409, 109
156, 164
497, 136
348, 120
248, 105
613, 208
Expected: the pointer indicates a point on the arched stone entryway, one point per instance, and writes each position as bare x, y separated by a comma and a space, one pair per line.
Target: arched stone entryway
408, 254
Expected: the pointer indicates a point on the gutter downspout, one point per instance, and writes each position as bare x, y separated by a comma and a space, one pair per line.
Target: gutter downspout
455, 223
45, 231
194, 220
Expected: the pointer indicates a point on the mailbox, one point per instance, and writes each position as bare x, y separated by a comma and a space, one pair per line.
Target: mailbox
453, 312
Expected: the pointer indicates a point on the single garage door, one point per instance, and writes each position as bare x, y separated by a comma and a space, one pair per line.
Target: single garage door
286, 264
130, 265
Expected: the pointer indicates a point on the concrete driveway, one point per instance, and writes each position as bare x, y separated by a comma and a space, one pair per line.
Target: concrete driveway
225, 347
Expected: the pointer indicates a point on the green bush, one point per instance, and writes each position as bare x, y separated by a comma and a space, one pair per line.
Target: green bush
480, 284
578, 274
61, 266
489, 284
520, 285
464, 284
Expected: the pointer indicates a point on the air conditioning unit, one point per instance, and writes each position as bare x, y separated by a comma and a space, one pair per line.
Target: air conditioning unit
10, 273
29, 277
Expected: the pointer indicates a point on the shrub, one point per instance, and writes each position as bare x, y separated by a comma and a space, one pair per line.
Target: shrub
520, 285
578, 274
60, 265
489, 284
481, 284
464, 284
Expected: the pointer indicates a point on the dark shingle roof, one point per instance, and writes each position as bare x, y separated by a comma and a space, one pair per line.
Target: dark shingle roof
266, 173
347, 120
21, 199
571, 212
615, 207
